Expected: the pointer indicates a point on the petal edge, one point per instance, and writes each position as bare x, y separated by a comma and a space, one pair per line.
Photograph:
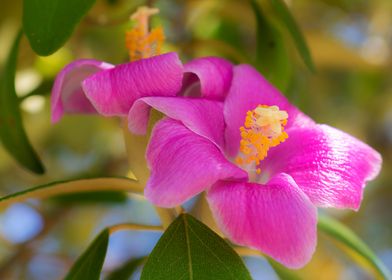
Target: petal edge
67, 93
277, 218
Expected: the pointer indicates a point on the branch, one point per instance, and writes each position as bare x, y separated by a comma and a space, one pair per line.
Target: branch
130, 226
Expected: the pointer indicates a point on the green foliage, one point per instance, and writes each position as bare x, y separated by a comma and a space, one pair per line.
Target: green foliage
190, 250
126, 270
288, 20
271, 55
72, 187
89, 264
12, 133
343, 234
49, 23
91, 197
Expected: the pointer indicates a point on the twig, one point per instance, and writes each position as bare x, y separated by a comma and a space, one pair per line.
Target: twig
130, 226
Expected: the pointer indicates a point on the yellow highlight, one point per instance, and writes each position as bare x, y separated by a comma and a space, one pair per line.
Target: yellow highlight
262, 130
140, 41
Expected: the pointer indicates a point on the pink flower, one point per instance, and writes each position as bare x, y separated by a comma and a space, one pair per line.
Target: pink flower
262, 196
265, 165
90, 86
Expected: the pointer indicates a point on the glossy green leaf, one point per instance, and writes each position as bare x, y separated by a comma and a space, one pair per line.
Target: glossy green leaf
126, 270
72, 186
288, 20
105, 197
49, 23
12, 133
340, 232
271, 54
283, 272
190, 250
89, 264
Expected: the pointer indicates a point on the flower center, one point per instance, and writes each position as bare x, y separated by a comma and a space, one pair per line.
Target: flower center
262, 130
142, 42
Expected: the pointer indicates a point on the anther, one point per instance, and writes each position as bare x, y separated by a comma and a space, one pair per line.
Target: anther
142, 42
263, 129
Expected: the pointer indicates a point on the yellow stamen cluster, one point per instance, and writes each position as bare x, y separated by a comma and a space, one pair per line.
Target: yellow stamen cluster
140, 41
263, 129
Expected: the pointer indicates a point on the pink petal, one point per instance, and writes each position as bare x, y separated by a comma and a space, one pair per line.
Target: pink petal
214, 75
183, 164
112, 92
202, 116
277, 218
67, 93
249, 89
330, 166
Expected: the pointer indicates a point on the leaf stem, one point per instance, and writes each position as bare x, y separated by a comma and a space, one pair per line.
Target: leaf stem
130, 226
72, 186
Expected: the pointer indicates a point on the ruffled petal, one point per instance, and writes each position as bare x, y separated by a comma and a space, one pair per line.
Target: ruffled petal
277, 218
112, 92
67, 93
214, 75
330, 166
204, 117
183, 164
248, 90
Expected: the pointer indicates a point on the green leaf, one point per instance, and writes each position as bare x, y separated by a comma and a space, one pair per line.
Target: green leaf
340, 232
72, 186
283, 272
89, 264
288, 20
49, 23
271, 54
126, 270
93, 197
12, 133
190, 250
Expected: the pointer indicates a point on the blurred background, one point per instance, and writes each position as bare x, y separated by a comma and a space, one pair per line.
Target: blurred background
350, 41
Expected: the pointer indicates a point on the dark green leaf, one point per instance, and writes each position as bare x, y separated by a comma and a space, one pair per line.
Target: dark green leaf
288, 20
271, 54
72, 186
126, 270
49, 23
89, 264
12, 133
283, 272
340, 232
190, 250
91, 197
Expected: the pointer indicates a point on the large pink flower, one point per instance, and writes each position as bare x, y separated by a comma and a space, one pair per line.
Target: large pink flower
227, 135
270, 205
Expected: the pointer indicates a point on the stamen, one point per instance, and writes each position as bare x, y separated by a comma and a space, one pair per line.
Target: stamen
262, 130
142, 42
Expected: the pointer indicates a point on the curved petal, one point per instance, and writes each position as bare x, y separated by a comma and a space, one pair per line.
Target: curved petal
183, 164
67, 93
204, 117
214, 75
112, 92
277, 218
330, 166
248, 90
